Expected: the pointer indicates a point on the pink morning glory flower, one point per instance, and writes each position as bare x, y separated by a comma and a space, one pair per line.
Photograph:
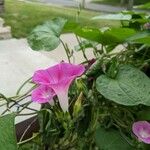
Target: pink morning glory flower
59, 78
43, 94
142, 130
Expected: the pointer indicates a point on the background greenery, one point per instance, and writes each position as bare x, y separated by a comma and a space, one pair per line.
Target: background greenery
23, 17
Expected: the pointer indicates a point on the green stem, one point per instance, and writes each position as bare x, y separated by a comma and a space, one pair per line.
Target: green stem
20, 88
82, 49
14, 103
28, 140
66, 50
27, 114
26, 130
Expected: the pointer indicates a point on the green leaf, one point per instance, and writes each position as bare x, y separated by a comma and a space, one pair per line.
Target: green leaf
110, 140
7, 133
118, 35
115, 36
119, 16
70, 26
130, 87
107, 37
92, 34
145, 40
46, 36
141, 37
144, 6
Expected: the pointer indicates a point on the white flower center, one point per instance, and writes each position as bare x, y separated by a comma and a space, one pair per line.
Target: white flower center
144, 133
46, 95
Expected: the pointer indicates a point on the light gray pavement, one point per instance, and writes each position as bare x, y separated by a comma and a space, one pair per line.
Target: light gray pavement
91, 6
17, 63
104, 8
70, 3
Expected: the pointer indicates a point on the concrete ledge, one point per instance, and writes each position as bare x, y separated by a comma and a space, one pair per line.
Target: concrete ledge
1, 22
5, 32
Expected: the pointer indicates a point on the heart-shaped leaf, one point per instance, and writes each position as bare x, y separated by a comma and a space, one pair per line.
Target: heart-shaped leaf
130, 87
110, 140
7, 133
46, 36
